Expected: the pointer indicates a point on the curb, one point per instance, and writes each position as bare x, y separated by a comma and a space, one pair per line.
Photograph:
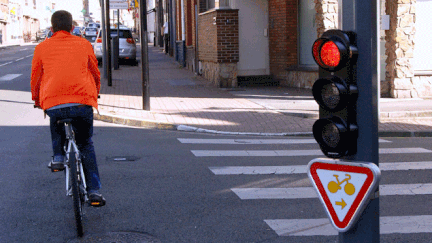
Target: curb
383, 114
185, 128
133, 121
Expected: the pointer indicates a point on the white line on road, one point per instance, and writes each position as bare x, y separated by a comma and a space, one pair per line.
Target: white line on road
301, 169
9, 77
309, 192
252, 141
4, 64
221, 153
323, 227
19, 59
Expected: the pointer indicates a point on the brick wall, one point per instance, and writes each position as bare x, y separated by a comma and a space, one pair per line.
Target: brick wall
282, 36
219, 40
207, 41
227, 35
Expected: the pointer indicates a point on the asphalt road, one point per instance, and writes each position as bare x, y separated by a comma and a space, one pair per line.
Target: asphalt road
170, 186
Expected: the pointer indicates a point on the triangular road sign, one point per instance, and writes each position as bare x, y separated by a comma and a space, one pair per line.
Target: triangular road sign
344, 188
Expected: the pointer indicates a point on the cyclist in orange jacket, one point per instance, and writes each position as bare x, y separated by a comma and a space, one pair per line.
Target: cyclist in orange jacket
65, 83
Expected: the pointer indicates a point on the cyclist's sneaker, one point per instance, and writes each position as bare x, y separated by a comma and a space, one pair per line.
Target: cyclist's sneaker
56, 166
96, 199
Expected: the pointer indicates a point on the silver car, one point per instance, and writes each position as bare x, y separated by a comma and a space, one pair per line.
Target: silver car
127, 45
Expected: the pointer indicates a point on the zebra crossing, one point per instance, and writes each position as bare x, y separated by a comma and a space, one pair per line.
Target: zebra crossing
318, 226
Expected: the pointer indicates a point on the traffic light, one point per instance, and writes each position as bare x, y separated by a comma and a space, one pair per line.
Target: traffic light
336, 93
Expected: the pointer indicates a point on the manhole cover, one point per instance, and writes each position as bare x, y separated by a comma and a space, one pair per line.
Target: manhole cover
117, 237
122, 158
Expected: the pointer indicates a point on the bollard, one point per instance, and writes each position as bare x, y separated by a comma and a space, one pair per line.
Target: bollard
115, 52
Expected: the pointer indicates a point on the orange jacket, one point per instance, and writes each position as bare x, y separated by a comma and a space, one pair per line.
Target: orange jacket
64, 70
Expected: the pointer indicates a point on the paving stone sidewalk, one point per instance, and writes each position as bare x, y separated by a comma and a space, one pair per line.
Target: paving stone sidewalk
183, 101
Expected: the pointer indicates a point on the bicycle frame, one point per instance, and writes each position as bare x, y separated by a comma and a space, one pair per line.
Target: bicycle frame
71, 146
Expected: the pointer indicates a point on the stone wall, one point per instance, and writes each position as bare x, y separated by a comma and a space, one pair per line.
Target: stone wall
400, 48
220, 74
326, 17
300, 79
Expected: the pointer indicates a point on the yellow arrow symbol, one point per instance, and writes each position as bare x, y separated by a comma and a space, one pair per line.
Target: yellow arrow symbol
343, 203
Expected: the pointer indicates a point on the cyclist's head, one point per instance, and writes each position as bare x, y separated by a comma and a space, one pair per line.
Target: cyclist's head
61, 20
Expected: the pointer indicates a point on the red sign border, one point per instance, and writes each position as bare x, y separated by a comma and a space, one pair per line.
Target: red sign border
357, 201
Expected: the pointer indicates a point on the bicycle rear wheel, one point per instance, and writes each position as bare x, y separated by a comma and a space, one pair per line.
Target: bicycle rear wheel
77, 202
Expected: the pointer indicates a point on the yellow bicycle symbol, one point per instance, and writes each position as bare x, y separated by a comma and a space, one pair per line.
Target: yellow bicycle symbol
334, 186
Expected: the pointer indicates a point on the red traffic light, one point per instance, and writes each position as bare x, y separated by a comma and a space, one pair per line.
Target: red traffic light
333, 50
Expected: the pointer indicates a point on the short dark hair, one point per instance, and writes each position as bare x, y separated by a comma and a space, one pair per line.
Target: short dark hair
61, 20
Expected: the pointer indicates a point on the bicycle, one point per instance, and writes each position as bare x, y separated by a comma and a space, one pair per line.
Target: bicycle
75, 179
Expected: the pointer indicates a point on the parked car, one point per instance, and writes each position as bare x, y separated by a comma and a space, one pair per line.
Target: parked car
90, 33
127, 45
94, 25
77, 31
41, 34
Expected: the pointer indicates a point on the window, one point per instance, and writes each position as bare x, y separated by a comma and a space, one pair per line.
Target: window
422, 60
211, 4
307, 31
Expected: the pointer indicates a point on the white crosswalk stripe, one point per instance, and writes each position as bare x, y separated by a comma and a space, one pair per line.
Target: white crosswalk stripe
311, 152
309, 192
302, 189
302, 169
252, 141
9, 77
323, 227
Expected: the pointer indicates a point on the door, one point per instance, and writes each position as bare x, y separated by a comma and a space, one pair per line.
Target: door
253, 37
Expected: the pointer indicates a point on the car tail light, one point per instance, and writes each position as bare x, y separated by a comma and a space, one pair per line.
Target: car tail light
99, 40
130, 40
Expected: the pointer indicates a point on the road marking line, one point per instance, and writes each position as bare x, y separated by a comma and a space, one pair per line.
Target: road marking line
302, 169
19, 59
323, 227
309, 192
4, 64
252, 141
222, 153
9, 77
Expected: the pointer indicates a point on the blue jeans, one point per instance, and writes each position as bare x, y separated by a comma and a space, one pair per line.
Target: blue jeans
82, 123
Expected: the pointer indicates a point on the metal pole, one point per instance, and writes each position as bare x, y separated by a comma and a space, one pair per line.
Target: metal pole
108, 37
361, 16
104, 49
144, 56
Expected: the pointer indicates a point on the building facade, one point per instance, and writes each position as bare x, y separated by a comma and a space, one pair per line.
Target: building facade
228, 41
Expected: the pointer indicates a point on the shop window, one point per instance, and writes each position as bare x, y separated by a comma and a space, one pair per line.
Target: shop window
211, 4
423, 19
307, 32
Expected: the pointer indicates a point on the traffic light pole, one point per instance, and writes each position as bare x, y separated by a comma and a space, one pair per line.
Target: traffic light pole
361, 16
144, 56
108, 42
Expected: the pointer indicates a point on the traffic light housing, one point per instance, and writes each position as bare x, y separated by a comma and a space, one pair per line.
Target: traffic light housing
336, 92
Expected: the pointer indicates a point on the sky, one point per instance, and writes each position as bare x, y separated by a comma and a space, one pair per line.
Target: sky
75, 7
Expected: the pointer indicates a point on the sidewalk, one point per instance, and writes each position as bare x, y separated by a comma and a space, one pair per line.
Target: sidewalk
183, 101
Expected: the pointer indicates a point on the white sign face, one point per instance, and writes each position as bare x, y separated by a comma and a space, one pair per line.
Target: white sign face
118, 4
342, 188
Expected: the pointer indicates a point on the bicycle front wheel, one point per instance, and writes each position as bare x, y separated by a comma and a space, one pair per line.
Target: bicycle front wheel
77, 203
